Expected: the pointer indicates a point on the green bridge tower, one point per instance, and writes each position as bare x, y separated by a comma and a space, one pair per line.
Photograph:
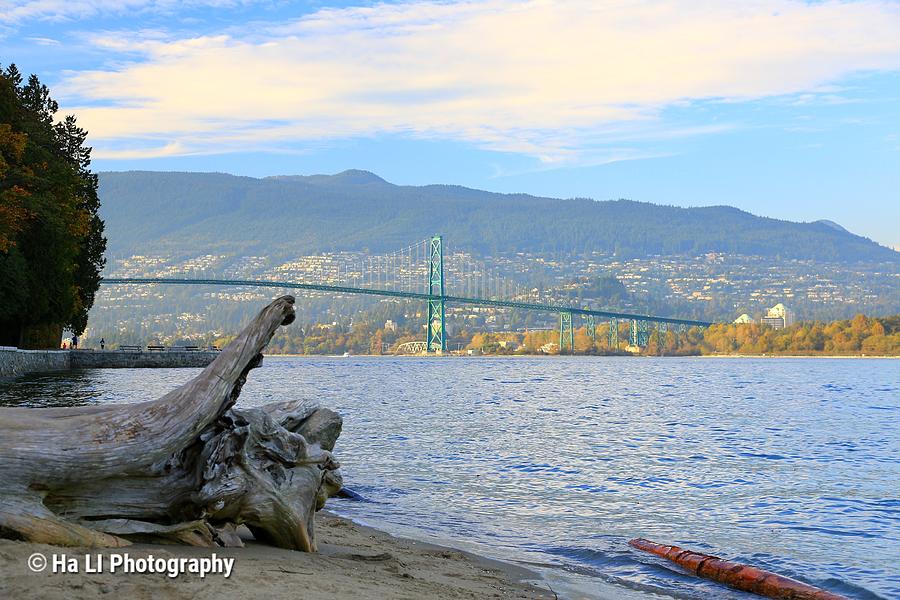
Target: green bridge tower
640, 333
613, 334
566, 333
435, 331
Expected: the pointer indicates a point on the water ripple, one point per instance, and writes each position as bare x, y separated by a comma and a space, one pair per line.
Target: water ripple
791, 465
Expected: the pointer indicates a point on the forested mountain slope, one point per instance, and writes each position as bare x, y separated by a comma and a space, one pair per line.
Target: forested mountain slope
198, 213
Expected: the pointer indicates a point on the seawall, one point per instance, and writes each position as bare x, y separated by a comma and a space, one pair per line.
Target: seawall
15, 362
117, 359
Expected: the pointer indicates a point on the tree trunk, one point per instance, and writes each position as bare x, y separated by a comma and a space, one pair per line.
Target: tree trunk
736, 575
181, 468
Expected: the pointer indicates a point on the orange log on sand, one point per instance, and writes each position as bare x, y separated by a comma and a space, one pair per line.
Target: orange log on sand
736, 575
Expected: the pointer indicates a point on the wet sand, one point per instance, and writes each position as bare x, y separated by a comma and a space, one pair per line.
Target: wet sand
354, 562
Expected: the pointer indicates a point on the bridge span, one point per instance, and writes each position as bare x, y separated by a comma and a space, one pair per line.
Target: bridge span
436, 299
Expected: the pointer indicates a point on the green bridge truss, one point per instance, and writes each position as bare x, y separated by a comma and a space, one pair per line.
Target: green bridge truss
436, 338
437, 299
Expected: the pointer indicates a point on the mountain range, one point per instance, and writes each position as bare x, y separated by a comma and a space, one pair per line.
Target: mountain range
184, 214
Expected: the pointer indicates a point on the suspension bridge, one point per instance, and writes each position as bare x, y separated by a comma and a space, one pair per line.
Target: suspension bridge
417, 272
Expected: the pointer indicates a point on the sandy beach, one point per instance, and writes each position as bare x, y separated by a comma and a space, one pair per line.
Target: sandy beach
353, 562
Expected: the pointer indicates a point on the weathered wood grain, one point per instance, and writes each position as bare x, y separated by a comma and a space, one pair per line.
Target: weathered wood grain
99, 475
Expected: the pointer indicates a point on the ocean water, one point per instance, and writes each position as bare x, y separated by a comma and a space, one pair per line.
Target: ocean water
792, 465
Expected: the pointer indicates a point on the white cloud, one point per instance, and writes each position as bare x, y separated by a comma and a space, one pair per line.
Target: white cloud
44, 41
547, 78
171, 149
17, 11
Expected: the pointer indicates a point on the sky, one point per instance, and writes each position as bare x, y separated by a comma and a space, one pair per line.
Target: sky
784, 108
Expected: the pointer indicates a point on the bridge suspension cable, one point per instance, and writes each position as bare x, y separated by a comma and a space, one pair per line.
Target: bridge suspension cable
423, 271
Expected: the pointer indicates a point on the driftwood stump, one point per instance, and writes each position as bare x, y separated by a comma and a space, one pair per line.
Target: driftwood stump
186, 468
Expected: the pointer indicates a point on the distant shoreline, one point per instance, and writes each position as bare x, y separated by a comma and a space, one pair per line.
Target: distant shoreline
836, 356
863, 356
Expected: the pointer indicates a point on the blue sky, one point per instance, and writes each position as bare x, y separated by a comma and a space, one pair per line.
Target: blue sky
787, 109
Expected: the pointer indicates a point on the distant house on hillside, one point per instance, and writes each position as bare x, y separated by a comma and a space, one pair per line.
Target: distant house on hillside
508, 345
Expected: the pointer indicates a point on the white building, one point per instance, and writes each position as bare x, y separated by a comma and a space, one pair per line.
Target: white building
549, 348
744, 319
508, 345
778, 317
780, 310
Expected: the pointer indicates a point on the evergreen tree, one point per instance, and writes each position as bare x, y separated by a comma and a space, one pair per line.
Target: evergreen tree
51, 237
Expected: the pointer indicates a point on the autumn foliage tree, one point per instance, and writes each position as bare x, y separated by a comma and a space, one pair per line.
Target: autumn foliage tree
859, 335
51, 237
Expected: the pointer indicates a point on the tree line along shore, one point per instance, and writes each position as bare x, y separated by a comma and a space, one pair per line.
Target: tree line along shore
861, 335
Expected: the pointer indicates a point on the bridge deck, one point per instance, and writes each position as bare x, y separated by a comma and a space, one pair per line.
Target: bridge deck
412, 295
